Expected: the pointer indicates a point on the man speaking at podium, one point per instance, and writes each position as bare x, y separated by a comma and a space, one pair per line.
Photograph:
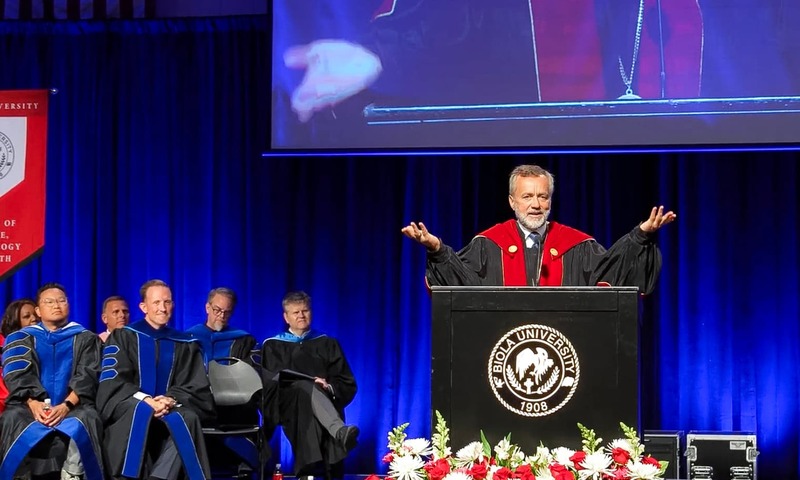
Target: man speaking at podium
531, 250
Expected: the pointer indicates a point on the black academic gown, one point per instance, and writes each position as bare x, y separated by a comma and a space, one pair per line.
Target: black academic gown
315, 355
138, 358
40, 364
634, 260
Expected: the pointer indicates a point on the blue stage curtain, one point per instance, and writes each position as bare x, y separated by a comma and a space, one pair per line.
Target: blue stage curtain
154, 170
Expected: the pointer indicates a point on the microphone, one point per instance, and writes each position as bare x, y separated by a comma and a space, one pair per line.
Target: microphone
661, 50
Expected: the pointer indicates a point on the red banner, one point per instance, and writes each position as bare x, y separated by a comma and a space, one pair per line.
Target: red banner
23, 155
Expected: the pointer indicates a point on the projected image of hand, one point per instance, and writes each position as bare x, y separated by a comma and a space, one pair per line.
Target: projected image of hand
335, 70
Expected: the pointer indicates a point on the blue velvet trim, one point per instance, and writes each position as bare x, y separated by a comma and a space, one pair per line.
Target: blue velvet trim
33, 434
137, 440
14, 366
166, 362
183, 440
77, 431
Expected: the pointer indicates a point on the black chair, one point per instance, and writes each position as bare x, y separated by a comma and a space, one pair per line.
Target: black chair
237, 387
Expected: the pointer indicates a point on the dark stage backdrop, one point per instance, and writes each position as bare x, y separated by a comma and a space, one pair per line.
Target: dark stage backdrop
155, 171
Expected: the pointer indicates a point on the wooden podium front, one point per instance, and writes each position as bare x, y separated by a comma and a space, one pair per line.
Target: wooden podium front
533, 362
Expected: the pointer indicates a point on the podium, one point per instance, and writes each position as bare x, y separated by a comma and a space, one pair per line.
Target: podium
533, 362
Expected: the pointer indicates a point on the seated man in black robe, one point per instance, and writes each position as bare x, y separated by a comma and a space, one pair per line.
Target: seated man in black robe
216, 337
218, 340
530, 250
314, 384
153, 394
50, 422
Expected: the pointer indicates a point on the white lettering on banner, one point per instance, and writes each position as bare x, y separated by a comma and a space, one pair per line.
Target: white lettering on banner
5, 258
19, 106
10, 247
3, 235
9, 223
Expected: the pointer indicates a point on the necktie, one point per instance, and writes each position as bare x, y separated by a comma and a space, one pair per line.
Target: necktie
533, 240
533, 245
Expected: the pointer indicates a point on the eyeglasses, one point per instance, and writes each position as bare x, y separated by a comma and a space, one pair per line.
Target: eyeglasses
220, 312
50, 302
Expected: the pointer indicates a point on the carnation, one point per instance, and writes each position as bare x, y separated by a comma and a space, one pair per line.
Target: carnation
642, 471
473, 452
561, 455
407, 467
457, 476
418, 446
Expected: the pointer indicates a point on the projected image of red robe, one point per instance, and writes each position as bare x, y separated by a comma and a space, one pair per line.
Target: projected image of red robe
538, 50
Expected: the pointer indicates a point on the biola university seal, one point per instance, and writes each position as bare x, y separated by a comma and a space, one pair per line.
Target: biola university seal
6, 155
534, 370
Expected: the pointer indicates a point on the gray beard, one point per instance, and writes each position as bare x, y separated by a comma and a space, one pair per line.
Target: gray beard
531, 224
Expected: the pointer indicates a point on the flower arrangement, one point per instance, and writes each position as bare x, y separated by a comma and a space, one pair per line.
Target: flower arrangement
423, 459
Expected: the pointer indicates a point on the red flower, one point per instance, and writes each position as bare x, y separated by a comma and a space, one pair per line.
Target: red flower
648, 460
577, 458
620, 456
620, 473
502, 473
560, 472
524, 472
437, 469
478, 471
388, 457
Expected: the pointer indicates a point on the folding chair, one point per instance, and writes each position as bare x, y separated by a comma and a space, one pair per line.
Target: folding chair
234, 383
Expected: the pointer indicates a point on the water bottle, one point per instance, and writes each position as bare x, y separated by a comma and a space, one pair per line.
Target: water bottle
277, 474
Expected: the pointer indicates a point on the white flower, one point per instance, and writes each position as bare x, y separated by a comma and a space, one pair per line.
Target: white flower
502, 449
469, 454
457, 476
417, 446
621, 443
561, 455
595, 465
407, 467
642, 471
517, 456
542, 453
543, 474
531, 460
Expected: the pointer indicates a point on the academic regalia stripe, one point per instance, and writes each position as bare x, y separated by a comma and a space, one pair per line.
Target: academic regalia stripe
108, 374
110, 350
17, 351
33, 434
15, 365
147, 364
166, 360
16, 336
134, 454
109, 360
77, 431
183, 440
